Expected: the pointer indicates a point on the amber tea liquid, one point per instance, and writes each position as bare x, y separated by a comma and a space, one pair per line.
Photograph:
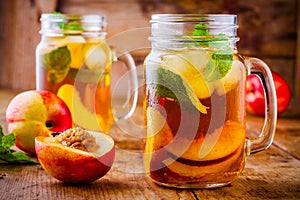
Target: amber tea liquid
82, 80
185, 146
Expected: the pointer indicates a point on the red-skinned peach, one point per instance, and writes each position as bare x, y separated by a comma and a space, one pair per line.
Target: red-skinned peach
255, 100
33, 113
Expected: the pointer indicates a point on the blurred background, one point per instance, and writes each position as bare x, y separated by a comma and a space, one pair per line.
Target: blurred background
268, 29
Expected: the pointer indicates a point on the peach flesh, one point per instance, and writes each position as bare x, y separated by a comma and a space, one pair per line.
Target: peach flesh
72, 165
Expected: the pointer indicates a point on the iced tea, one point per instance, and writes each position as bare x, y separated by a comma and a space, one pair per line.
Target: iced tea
76, 67
195, 126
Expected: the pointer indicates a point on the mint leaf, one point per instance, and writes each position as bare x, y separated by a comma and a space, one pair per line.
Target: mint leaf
1, 133
171, 85
16, 157
57, 63
8, 141
218, 66
61, 25
74, 25
9, 155
200, 29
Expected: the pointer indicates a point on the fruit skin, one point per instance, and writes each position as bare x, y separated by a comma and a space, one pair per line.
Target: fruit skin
75, 166
255, 100
33, 113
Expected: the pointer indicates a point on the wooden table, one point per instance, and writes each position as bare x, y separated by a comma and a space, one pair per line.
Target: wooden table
271, 174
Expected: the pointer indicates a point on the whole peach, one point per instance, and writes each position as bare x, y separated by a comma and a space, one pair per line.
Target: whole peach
33, 113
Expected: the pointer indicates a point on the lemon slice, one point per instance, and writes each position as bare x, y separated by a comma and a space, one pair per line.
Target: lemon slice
80, 114
171, 85
190, 68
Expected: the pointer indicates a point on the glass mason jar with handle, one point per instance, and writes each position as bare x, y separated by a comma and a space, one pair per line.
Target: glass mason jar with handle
194, 102
73, 61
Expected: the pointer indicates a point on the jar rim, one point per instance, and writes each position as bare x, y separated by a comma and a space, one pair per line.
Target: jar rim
229, 19
194, 29
58, 23
71, 16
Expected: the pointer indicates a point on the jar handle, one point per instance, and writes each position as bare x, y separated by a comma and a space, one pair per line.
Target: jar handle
265, 138
127, 59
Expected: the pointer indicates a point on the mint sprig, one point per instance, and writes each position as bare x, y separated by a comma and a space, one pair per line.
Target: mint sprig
171, 85
221, 59
200, 29
9, 155
73, 25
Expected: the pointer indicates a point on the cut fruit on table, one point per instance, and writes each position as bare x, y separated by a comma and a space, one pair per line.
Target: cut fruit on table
71, 165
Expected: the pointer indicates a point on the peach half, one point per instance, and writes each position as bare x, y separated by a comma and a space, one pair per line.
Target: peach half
71, 165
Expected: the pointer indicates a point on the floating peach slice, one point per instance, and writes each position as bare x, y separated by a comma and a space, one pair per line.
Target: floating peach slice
221, 143
73, 165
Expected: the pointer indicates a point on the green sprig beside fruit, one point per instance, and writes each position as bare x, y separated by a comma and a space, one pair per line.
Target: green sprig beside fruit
9, 155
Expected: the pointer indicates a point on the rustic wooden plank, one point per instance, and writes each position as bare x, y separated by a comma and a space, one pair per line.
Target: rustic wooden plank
32, 182
297, 69
19, 33
263, 30
272, 174
121, 15
45, 6
263, 178
287, 133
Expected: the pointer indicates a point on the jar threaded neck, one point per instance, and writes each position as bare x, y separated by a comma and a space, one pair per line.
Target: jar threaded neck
193, 29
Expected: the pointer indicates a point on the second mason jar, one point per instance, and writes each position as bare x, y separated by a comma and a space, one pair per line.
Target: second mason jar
73, 61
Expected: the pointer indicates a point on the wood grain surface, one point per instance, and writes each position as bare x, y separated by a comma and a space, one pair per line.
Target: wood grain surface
271, 174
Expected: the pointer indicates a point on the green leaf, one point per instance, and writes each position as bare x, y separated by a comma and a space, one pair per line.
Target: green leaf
73, 25
200, 29
8, 141
9, 155
16, 157
171, 85
218, 66
1, 133
57, 63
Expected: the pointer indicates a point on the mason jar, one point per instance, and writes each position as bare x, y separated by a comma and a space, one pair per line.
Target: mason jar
194, 101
